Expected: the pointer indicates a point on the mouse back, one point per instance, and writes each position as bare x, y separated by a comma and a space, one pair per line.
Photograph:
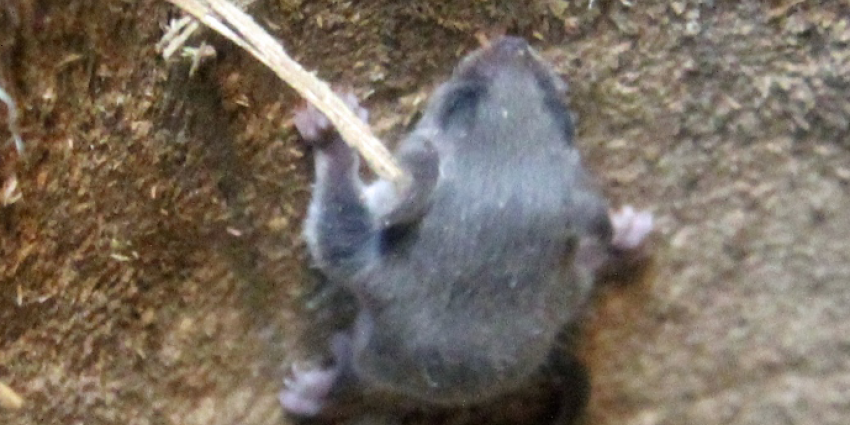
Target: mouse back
467, 300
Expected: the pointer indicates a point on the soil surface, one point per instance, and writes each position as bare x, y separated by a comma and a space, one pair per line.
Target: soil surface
151, 268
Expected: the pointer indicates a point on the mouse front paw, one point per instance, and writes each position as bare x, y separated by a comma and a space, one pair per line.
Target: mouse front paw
307, 389
315, 128
631, 228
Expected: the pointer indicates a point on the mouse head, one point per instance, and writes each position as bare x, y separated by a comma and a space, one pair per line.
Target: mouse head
510, 59
504, 93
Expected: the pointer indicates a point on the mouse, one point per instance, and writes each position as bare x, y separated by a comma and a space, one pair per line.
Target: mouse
465, 277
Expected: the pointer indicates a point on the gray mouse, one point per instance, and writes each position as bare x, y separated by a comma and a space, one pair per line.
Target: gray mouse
464, 279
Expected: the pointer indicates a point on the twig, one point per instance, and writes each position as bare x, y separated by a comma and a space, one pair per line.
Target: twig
13, 120
231, 22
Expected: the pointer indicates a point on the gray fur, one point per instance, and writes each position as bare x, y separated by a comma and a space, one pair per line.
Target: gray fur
464, 281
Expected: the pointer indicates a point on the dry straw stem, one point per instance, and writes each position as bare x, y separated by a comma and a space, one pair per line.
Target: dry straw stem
12, 119
231, 22
180, 30
9, 399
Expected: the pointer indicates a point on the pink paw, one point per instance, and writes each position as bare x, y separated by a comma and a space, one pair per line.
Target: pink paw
630, 227
312, 124
306, 390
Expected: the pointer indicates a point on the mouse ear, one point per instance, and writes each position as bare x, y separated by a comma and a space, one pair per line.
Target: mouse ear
421, 160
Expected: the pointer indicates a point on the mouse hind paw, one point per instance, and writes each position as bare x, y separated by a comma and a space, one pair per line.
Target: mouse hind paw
307, 389
631, 228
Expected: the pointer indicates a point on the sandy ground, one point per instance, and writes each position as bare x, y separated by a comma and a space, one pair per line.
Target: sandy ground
152, 271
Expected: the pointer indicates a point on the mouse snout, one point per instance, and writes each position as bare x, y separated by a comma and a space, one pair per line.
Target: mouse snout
510, 60
508, 46
502, 53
